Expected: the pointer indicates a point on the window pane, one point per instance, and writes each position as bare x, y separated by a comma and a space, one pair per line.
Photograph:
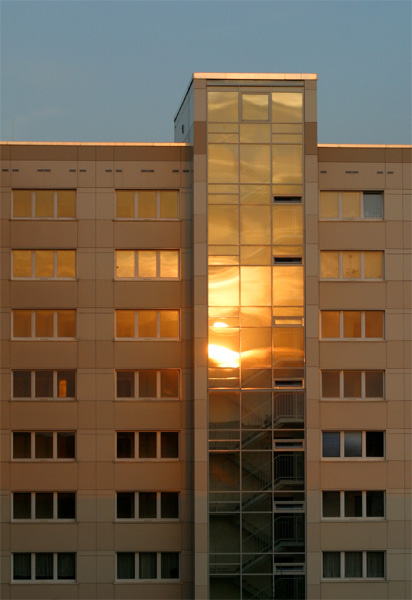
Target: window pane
66, 323
22, 323
21, 203
353, 443
372, 205
352, 324
125, 384
44, 323
330, 265
331, 564
66, 444
375, 504
147, 565
288, 286
21, 565
287, 164
124, 204
255, 107
21, 444
373, 265
66, 505
287, 107
66, 203
223, 163
331, 504
66, 565
125, 505
352, 387
21, 263
170, 565
223, 286
169, 204
351, 265
125, 565
147, 444
330, 324
147, 263
22, 384
44, 203
255, 286
374, 324
222, 106
254, 224
147, 205
147, 324
147, 384
255, 163
374, 384
66, 263
147, 505
44, 505
351, 205
44, 384
44, 444
169, 505
329, 205
353, 504
22, 505
256, 346
169, 263
374, 443
224, 410
66, 384
330, 384
169, 384
125, 323
125, 263
223, 224
169, 444
255, 133
125, 444
287, 225
353, 564
255, 255
44, 565
169, 324
375, 562
288, 345
330, 443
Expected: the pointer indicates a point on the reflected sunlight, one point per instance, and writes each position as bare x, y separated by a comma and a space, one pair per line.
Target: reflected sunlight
223, 356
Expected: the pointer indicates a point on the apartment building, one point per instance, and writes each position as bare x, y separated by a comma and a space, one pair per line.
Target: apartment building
206, 358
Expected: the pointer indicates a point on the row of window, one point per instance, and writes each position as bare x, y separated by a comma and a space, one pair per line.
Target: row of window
353, 504
148, 565
354, 565
352, 324
351, 205
44, 505
351, 265
353, 444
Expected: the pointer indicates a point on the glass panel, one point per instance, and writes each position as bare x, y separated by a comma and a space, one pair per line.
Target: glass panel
66, 444
351, 205
374, 324
44, 565
224, 408
222, 106
66, 565
21, 444
288, 286
254, 133
223, 347
125, 505
352, 387
330, 384
125, 444
288, 347
287, 225
170, 565
256, 410
373, 265
375, 562
125, 384
44, 384
224, 471
44, 505
66, 384
374, 384
22, 505
44, 444
169, 444
125, 565
147, 205
169, 505
255, 255
147, 263
223, 224
223, 199
66, 505
44, 203
147, 444
21, 565
331, 504
21, 384
66, 204
66, 263
331, 444
331, 565
147, 505
124, 204
147, 323
375, 444
287, 107
255, 286
352, 324
169, 324
256, 347
147, 384
353, 443
22, 323
169, 204
255, 107
125, 266
44, 263
223, 137
353, 504
223, 162
287, 164
353, 564
255, 194
329, 205
256, 316
44, 323
66, 323
169, 263
22, 263
21, 203
254, 221
169, 384
125, 323
147, 565
351, 265
375, 504
329, 265
254, 163
224, 533
223, 286
372, 205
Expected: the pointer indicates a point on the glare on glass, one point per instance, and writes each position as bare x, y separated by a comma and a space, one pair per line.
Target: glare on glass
287, 225
255, 194
254, 163
66, 263
125, 323
255, 286
44, 203
222, 106
255, 107
256, 347
66, 204
22, 203
288, 286
169, 264
353, 443
147, 204
44, 323
255, 255
351, 264
255, 225
255, 316
330, 265
124, 204
21, 263
147, 263
125, 263
330, 324
223, 286
374, 324
288, 344
329, 205
169, 383
287, 164
352, 324
147, 323
224, 347
224, 410
66, 323
223, 161
351, 205
22, 323
223, 225
373, 265
223, 199
287, 107
254, 132
169, 324
169, 204
44, 263
224, 137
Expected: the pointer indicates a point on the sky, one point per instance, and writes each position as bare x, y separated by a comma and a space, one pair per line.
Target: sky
117, 70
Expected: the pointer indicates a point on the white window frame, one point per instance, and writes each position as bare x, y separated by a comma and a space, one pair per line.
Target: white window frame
136, 395
33, 276
361, 212
158, 507
136, 205
33, 325
33, 507
158, 276
158, 570
363, 457
362, 337
340, 276
33, 396
33, 447
158, 456
342, 398
33, 204
136, 325
33, 570
364, 567
364, 516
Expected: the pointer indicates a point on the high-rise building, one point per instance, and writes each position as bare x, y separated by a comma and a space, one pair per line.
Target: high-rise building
206, 358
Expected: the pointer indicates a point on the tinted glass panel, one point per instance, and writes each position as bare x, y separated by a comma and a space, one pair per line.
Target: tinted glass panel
330, 324
125, 444
353, 443
21, 384
44, 565
22, 323
374, 324
170, 565
330, 443
147, 444
44, 444
21, 444
44, 505
125, 505
169, 384
22, 203
169, 444
353, 504
21, 263
66, 505
66, 263
125, 384
330, 384
169, 204
352, 324
352, 387
66, 444
331, 504
66, 203
44, 384
331, 564
66, 565
169, 505
147, 565
375, 504
375, 564
147, 505
124, 204
21, 565
353, 564
147, 384
374, 384
21, 505
66, 323
44, 323
374, 443
125, 565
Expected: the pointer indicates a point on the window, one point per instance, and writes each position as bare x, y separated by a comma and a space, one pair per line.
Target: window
354, 384
147, 505
40, 445
44, 264
36, 324
148, 384
147, 264
352, 265
351, 205
40, 566
147, 444
353, 504
44, 204
147, 204
352, 324
354, 565
44, 505
148, 565
44, 385
353, 444
147, 324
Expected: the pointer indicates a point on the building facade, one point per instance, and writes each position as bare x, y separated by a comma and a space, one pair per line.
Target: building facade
206, 358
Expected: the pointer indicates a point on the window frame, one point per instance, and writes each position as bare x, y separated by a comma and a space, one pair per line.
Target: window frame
55, 337
136, 205
158, 276
158, 578
364, 566
158, 516
159, 397
340, 266
33, 578
363, 397
55, 397
54, 456
33, 517
341, 337
55, 205
363, 456
158, 456
361, 206
364, 516
136, 325
33, 276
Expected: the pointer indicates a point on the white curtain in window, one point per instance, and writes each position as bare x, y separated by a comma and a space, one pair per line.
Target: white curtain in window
66, 565
147, 565
44, 565
22, 566
353, 564
125, 565
376, 564
331, 564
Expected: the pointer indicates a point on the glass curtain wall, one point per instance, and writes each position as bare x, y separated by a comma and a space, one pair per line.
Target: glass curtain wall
256, 342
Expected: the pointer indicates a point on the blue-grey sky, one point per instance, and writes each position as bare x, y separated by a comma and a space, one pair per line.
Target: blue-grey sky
117, 70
